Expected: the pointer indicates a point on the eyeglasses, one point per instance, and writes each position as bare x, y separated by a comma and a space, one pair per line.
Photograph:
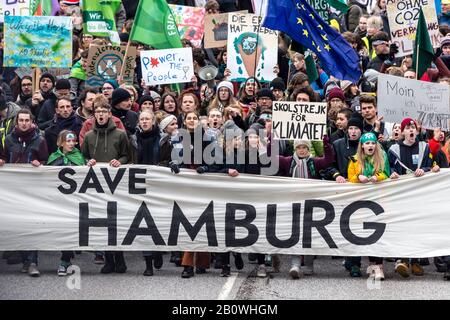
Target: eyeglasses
27, 84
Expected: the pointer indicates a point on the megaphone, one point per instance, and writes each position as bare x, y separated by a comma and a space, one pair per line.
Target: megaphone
208, 73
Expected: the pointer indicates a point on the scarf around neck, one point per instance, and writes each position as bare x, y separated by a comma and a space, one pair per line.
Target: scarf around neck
300, 169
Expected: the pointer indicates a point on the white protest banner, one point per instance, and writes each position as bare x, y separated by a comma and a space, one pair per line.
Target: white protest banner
149, 208
167, 66
105, 63
252, 49
399, 98
403, 17
14, 8
299, 120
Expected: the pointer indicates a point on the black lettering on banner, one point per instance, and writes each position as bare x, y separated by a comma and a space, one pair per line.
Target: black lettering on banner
272, 222
378, 227
112, 184
132, 181
207, 218
309, 223
231, 223
110, 222
72, 183
94, 184
151, 230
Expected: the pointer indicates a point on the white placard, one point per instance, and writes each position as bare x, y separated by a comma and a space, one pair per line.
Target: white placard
167, 66
299, 120
400, 98
14, 8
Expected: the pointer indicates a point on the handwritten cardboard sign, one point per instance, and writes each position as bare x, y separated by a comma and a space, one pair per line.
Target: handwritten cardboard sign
252, 50
105, 63
38, 42
400, 98
216, 30
299, 120
167, 66
403, 17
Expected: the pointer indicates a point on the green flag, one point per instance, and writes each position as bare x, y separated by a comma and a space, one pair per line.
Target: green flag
99, 18
155, 25
339, 5
423, 50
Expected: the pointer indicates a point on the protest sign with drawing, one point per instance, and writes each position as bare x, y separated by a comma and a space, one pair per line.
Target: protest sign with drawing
399, 98
38, 42
167, 66
403, 17
105, 63
190, 22
299, 120
216, 30
252, 49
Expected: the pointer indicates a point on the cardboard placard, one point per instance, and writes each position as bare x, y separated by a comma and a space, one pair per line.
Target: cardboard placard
167, 66
403, 17
105, 63
400, 98
216, 30
252, 49
299, 120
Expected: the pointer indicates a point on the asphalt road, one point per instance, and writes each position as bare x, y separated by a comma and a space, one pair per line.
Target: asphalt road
330, 282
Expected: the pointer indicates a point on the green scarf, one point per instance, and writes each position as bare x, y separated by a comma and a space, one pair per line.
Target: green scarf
369, 169
73, 157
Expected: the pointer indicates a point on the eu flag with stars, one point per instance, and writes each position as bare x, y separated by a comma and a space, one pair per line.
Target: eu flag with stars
302, 23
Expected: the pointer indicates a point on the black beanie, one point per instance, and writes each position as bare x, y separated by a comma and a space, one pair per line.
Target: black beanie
48, 76
265, 93
119, 95
62, 84
146, 97
277, 83
356, 121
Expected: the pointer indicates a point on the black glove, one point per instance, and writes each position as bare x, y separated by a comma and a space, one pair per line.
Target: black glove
437, 54
202, 169
393, 49
174, 167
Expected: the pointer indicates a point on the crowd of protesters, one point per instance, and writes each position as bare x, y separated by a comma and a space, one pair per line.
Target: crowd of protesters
67, 123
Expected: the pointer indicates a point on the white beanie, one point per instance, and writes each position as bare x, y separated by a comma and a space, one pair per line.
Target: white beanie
226, 84
166, 121
302, 143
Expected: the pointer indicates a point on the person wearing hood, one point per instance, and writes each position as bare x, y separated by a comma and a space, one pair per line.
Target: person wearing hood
65, 120
47, 112
8, 112
26, 92
46, 86
121, 108
25, 145
66, 155
106, 143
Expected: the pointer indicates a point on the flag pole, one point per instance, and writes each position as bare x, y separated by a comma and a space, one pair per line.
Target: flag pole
122, 69
417, 61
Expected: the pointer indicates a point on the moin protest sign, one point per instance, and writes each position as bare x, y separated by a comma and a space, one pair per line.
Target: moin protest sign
299, 120
105, 63
148, 208
403, 17
399, 98
252, 49
167, 66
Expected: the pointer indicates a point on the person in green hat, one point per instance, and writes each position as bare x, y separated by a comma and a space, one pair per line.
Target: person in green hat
66, 155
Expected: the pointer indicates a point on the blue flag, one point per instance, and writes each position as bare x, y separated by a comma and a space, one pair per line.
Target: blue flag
297, 19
